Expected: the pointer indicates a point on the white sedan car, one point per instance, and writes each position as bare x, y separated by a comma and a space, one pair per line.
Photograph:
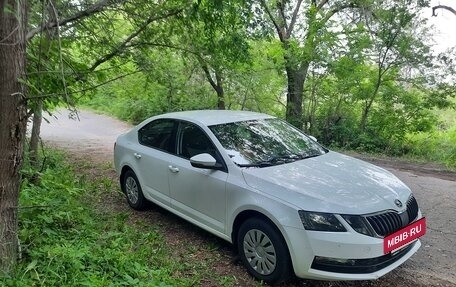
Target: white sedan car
286, 203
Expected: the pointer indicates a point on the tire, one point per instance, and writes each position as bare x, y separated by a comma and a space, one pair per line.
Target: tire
133, 191
263, 251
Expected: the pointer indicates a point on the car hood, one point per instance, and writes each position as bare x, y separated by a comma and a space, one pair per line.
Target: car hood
331, 183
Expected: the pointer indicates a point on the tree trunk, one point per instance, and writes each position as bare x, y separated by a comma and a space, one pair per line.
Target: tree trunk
369, 102
366, 110
220, 99
35, 135
217, 85
294, 99
312, 106
220, 91
13, 120
296, 78
45, 48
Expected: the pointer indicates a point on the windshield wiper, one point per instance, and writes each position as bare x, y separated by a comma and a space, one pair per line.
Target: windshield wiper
255, 164
274, 160
309, 155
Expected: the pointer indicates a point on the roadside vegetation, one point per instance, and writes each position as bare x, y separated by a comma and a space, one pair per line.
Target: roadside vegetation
68, 239
437, 146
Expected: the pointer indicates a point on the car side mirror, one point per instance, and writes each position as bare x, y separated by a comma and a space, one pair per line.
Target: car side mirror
204, 160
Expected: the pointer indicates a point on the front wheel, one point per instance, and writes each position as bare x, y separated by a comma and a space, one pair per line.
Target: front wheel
133, 191
263, 251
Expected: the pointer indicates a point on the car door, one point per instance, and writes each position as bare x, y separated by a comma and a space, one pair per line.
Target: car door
157, 143
195, 192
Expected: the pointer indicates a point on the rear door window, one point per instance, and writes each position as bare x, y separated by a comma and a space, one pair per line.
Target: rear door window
159, 134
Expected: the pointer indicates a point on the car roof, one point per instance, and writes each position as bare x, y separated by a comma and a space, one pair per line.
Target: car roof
215, 117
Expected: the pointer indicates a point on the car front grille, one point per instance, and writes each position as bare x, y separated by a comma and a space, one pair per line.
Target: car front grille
412, 208
389, 222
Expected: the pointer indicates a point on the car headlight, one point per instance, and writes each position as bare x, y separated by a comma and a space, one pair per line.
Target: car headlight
319, 221
359, 224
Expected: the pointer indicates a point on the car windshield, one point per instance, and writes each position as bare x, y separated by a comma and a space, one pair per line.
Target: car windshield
265, 142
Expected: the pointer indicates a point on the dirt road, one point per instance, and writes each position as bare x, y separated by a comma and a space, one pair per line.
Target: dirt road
433, 265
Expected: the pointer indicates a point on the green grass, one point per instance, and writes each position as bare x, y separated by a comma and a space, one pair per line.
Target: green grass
447, 117
67, 241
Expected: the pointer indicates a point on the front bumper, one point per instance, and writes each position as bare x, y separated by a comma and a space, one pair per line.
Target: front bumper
359, 266
342, 255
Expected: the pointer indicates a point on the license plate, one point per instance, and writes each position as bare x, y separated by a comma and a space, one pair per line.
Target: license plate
404, 236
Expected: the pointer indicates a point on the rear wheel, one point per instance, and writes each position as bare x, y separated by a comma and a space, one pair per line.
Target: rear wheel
263, 251
133, 191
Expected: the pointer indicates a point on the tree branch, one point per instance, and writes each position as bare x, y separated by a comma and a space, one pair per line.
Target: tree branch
86, 89
95, 8
276, 25
164, 46
442, 7
293, 18
216, 85
281, 8
72, 72
322, 3
389, 44
336, 10
124, 44
208, 74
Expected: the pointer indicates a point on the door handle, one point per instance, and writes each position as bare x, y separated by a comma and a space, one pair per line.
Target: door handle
173, 169
137, 155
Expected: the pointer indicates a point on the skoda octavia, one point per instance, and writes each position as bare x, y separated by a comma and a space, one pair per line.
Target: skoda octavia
286, 203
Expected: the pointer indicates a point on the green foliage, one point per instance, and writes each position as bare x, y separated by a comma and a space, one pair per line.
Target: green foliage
216, 29
368, 79
131, 99
67, 241
439, 146
168, 87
